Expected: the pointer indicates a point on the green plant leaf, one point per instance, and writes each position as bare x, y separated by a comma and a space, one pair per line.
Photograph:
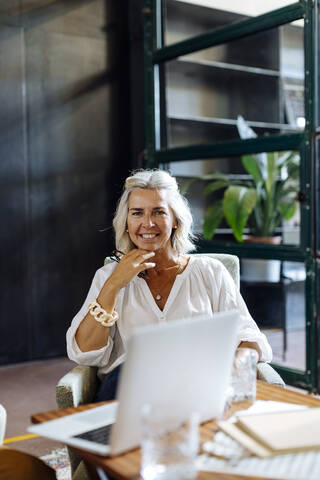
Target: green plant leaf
238, 203
186, 185
285, 158
246, 132
287, 209
293, 170
252, 167
212, 219
286, 190
213, 176
275, 176
214, 186
272, 172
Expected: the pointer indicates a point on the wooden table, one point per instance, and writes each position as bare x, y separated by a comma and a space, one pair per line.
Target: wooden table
127, 466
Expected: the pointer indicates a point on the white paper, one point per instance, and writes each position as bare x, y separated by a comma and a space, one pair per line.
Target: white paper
298, 466
269, 406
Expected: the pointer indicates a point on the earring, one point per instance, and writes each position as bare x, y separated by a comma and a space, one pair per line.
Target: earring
175, 227
127, 230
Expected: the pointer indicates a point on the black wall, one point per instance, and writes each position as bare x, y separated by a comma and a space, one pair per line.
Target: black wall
66, 143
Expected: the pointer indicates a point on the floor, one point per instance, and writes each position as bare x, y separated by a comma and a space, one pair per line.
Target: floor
27, 388
295, 355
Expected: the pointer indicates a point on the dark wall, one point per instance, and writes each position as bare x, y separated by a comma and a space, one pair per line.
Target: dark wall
65, 146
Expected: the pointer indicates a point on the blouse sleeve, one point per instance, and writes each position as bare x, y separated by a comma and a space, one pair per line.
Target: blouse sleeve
108, 354
229, 298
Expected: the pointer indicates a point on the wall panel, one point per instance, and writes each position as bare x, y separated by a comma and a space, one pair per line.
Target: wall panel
65, 148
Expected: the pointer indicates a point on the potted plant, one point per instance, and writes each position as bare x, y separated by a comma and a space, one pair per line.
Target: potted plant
260, 202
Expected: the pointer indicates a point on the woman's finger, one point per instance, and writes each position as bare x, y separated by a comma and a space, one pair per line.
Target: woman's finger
147, 265
145, 257
144, 254
140, 258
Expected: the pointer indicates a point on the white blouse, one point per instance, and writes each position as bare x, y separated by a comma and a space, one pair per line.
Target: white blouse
204, 287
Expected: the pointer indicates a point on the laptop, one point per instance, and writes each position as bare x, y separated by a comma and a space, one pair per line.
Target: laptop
184, 366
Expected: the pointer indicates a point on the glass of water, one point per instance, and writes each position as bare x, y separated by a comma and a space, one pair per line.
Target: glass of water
244, 375
169, 446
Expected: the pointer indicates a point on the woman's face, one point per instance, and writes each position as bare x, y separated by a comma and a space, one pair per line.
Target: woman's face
150, 219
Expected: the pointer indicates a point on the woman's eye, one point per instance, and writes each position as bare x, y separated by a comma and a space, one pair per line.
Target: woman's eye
160, 212
136, 214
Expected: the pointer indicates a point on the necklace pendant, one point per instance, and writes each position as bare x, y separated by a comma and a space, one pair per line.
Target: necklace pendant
158, 297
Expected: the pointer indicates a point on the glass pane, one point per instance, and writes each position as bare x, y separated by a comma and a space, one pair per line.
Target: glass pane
279, 216
186, 19
260, 77
274, 292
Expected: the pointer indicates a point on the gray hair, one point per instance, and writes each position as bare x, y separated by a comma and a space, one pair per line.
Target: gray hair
182, 237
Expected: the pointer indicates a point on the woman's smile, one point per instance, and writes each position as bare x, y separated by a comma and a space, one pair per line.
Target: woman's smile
147, 236
150, 219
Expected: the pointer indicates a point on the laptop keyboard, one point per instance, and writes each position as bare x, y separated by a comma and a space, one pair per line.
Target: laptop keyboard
98, 435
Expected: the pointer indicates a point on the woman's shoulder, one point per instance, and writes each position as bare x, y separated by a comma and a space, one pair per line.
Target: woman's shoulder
206, 262
108, 266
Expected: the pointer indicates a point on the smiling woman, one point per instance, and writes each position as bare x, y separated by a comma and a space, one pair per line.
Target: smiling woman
153, 230
151, 221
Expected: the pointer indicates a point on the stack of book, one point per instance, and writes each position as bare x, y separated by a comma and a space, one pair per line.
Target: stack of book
278, 433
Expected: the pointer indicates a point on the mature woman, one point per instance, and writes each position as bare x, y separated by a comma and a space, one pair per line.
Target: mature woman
155, 280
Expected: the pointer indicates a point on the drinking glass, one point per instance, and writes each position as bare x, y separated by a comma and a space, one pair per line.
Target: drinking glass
169, 446
244, 375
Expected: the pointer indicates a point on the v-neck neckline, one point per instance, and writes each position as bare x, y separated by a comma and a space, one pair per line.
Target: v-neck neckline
175, 286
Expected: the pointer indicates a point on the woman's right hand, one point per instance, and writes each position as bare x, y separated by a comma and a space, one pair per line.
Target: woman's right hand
130, 265
90, 335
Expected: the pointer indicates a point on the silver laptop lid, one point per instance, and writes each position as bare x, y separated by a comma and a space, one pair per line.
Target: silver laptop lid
185, 364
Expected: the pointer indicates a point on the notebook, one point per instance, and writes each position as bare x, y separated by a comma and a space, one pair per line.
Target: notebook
183, 365
277, 433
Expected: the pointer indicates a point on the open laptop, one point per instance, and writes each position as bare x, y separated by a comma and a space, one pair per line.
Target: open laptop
184, 366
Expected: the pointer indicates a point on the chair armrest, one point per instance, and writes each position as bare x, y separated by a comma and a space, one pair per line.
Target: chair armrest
268, 374
77, 387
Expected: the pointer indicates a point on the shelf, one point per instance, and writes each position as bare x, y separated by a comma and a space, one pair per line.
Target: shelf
202, 15
229, 66
233, 123
244, 9
215, 92
187, 66
190, 130
207, 89
286, 77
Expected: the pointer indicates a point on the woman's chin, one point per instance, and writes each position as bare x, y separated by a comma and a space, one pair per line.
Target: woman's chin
149, 247
143, 245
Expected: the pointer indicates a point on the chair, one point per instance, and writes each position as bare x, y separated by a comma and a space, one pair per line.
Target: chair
23, 466
79, 385
18, 465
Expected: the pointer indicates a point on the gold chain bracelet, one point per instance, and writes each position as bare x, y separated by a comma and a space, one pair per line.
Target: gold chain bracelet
101, 316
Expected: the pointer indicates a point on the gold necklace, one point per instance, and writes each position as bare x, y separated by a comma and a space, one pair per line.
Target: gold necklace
160, 284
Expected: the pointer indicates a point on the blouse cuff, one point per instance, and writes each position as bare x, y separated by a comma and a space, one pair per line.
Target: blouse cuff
93, 357
252, 336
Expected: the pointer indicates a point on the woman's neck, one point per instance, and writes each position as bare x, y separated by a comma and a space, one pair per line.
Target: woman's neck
165, 259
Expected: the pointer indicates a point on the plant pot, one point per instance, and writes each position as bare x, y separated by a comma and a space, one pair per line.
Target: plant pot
256, 270
268, 240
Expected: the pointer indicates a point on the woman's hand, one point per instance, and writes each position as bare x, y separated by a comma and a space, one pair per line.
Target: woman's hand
90, 335
252, 345
129, 266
